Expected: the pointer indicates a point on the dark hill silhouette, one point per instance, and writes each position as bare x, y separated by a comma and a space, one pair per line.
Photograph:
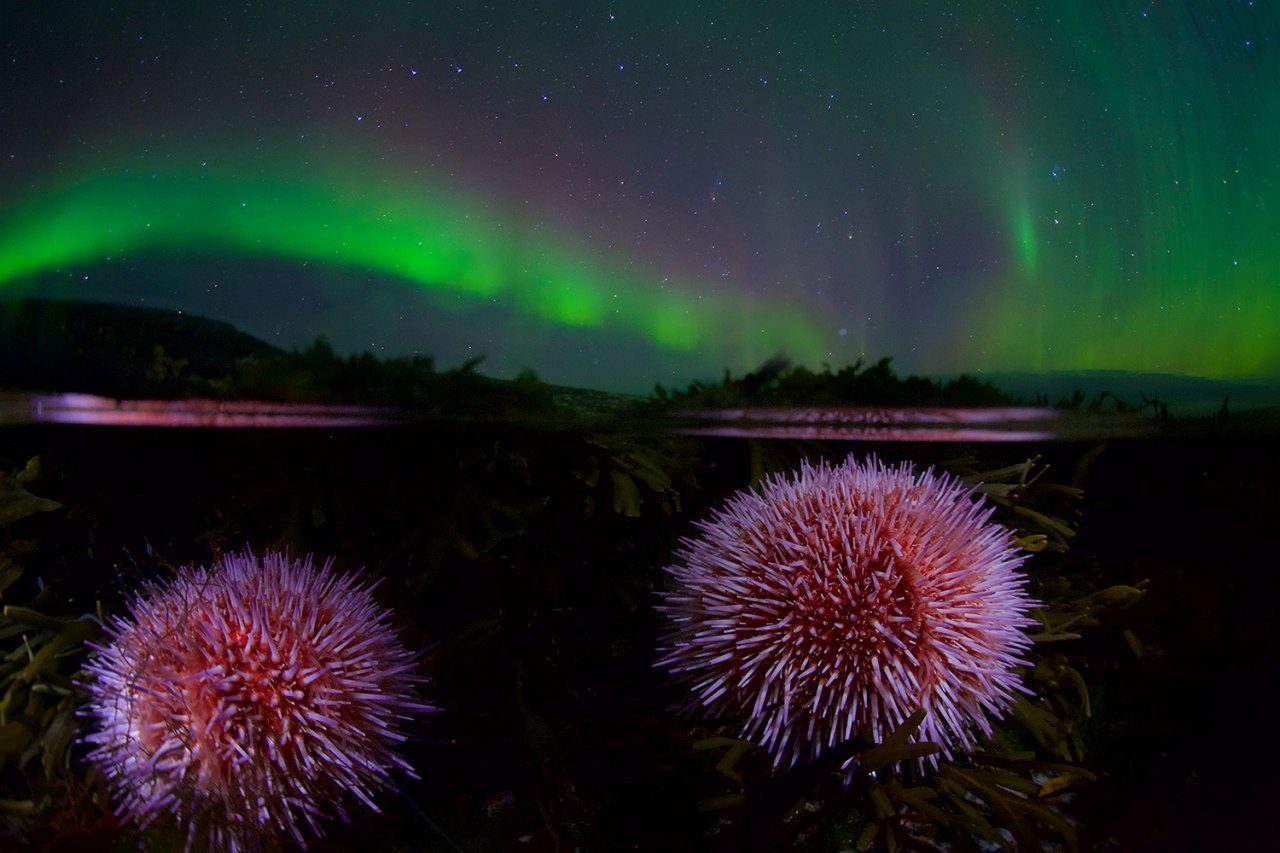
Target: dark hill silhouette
117, 350
132, 352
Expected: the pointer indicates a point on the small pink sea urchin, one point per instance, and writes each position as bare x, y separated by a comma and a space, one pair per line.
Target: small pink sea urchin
836, 601
250, 700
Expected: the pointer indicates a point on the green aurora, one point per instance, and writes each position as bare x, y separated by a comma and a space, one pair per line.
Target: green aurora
421, 236
1140, 202
1000, 187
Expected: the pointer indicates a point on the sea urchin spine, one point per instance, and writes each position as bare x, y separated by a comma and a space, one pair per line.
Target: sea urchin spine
249, 700
834, 602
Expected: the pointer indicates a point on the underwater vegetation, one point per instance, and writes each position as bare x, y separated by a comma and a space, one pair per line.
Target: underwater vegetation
525, 564
254, 699
533, 557
837, 601
960, 733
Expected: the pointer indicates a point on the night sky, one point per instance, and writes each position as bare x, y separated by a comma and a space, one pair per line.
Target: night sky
621, 193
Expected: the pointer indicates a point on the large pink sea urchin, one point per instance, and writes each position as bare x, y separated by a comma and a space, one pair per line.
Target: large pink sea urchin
250, 700
836, 601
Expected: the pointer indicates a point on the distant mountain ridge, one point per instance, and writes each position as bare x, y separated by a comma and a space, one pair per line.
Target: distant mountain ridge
1185, 395
131, 351
120, 350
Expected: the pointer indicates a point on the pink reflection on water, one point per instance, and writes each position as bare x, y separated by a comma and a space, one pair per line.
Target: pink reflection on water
103, 411
936, 424
857, 433
876, 415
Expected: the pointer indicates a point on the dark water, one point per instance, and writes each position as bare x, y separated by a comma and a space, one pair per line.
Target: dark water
526, 569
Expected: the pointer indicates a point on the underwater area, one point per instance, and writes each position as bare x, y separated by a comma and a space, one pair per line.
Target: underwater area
520, 540
663, 426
